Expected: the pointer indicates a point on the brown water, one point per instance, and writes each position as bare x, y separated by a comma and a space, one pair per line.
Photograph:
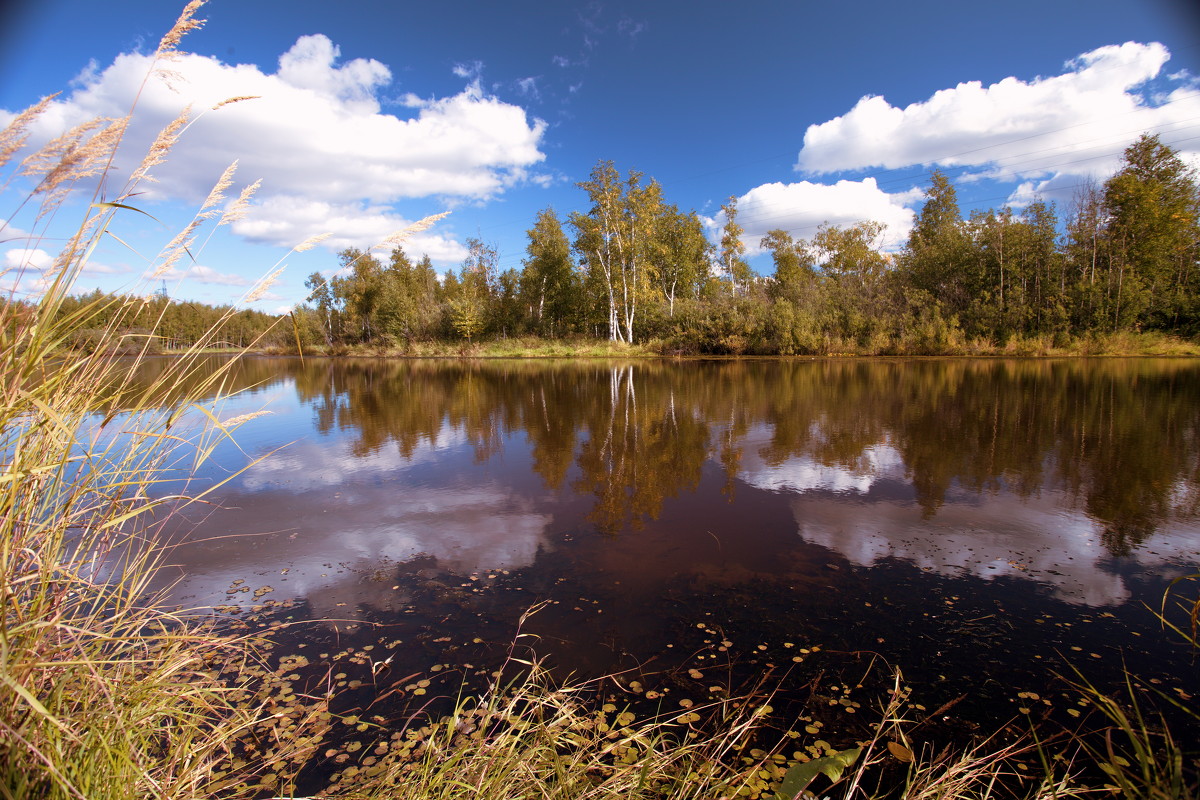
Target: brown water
981, 524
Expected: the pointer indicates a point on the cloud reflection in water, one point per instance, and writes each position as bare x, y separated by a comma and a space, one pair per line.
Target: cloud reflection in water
866, 513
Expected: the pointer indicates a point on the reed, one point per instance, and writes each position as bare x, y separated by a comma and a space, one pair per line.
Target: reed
105, 691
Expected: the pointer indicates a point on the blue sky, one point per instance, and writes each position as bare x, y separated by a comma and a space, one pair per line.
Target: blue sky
371, 115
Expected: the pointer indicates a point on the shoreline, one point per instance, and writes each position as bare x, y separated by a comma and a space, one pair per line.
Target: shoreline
1121, 345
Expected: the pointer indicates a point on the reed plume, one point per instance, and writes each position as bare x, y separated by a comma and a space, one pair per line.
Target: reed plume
408, 232
311, 242
16, 133
157, 154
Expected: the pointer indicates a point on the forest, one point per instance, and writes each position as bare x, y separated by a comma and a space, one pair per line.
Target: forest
158, 324
635, 269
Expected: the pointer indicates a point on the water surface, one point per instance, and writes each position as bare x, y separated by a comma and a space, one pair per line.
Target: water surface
981, 524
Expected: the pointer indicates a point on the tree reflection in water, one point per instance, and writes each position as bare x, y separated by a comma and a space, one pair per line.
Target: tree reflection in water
1113, 439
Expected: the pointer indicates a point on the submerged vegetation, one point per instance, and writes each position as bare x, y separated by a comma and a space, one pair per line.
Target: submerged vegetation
108, 692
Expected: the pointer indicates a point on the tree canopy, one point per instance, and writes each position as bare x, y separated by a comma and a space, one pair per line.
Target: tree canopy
634, 267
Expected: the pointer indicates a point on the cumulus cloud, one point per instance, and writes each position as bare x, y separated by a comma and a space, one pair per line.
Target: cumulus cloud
27, 271
1073, 124
198, 273
800, 208
8, 232
286, 220
310, 65
315, 129
17, 258
23, 271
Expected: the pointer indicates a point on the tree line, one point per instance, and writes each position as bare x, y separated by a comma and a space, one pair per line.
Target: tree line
159, 324
635, 268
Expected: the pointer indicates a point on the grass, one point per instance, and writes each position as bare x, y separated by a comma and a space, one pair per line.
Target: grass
518, 347
543, 740
105, 691
536, 739
108, 692
1111, 344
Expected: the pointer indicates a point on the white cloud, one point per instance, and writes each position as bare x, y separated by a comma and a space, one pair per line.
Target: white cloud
472, 71
1073, 124
529, 87
316, 130
18, 258
11, 233
198, 273
310, 65
94, 268
801, 207
286, 220
24, 271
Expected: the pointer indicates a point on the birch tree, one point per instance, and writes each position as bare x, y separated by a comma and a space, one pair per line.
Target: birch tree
733, 248
613, 239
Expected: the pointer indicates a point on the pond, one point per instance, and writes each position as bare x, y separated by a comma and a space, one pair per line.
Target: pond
988, 527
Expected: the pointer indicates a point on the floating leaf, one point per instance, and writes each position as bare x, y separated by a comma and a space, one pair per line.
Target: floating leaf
900, 752
801, 775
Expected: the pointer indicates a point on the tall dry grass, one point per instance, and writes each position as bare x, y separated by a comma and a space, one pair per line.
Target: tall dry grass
104, 690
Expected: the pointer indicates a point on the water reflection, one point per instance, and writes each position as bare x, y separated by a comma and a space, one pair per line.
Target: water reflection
1051, 471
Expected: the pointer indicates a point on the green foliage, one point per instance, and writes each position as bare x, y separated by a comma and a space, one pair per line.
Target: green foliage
127, 325
615, 240
732, 248
938, 255
549, 284
801, 775
640, 269
680, 256
1152, 207
795, 276
466, 315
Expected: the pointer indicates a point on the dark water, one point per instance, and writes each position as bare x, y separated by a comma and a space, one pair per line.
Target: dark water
985, 526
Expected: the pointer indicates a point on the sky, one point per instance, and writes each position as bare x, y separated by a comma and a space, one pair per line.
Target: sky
367, 117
